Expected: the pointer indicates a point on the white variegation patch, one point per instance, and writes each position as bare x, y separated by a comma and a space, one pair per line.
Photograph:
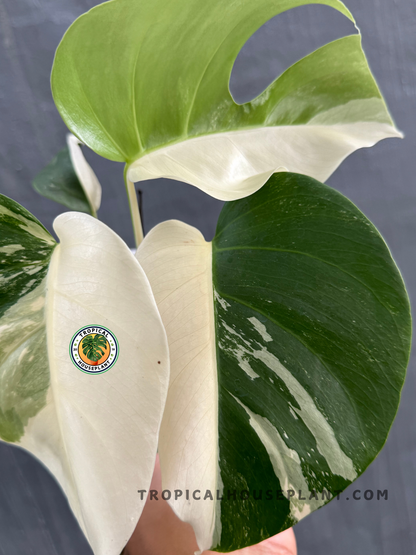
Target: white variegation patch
235, 164
261, 329
286, 465
239, 347
238, 352
10, 249
224, 304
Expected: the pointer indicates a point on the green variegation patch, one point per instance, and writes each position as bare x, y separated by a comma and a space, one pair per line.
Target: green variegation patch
289, 338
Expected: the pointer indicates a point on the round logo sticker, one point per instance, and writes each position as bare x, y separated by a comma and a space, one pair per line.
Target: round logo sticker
94, 349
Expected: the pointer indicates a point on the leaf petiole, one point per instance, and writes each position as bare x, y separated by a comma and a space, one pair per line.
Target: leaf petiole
134, 209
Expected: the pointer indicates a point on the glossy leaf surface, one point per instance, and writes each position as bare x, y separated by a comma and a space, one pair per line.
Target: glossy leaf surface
148, 83
289, 338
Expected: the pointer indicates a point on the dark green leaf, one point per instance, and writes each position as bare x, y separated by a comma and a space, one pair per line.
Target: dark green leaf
317, 310
59, 182
70, 180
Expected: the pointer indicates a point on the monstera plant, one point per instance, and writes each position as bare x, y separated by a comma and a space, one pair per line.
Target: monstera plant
265, 363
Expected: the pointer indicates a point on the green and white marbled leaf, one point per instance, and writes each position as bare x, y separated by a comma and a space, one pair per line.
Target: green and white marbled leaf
289, 338
25, 252
147, 82
96, 433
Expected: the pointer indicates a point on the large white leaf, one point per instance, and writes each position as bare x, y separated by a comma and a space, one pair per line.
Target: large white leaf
177, 261
96, 433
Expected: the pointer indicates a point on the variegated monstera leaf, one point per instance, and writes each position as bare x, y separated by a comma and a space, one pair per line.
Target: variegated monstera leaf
96, 433
289, 338
70, 180
147, 82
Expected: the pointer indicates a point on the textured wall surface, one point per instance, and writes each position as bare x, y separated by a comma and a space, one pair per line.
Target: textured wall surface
34, 516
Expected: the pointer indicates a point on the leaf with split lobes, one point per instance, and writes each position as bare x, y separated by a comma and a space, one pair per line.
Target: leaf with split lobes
147, 82
69, 180
96, 434
289, 338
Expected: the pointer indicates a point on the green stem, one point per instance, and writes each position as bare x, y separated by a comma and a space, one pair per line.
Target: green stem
134, 209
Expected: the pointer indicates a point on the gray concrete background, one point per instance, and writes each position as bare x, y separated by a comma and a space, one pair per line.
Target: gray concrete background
34, 515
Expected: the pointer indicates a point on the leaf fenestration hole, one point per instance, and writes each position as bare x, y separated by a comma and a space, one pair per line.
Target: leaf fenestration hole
281, 42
